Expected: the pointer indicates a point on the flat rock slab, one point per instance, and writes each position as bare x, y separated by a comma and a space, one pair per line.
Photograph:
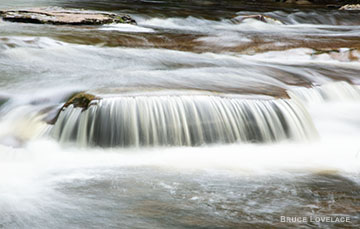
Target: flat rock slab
60, 16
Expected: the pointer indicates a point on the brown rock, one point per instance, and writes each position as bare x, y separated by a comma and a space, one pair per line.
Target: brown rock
60, 16
82, 100
344, 55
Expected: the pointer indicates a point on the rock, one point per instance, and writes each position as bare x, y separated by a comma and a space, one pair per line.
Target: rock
60, 16
82, 100
343, 54
350, 7
332, 6
259, 17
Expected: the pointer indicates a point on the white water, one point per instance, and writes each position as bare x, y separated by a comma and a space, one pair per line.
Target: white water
45, 183
182, 120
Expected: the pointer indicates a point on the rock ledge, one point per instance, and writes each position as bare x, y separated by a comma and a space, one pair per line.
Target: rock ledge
60, 16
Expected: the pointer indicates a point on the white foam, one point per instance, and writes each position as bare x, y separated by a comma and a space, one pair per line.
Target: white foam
127, 28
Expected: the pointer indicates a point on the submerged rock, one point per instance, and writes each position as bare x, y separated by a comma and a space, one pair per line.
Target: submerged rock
59, 16
259, 17
350, 7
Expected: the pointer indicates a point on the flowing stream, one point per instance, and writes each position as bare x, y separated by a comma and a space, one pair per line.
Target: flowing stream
201, 118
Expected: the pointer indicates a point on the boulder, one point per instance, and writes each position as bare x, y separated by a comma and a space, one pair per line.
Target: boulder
81, 100
60, 16
351, 7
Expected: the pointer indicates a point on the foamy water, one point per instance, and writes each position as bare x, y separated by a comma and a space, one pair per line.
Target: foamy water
240, 122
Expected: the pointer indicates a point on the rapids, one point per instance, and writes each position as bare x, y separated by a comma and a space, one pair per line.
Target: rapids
198, 121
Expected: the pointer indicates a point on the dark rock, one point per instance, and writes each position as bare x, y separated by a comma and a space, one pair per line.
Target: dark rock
59, 16
81, 100
332, 6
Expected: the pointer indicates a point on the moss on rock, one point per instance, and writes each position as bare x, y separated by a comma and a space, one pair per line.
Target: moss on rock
81, 100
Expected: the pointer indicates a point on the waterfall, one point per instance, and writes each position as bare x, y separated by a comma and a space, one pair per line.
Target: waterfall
334, 91
182, 120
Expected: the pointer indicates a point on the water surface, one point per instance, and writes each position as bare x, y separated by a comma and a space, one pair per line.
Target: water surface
175, 89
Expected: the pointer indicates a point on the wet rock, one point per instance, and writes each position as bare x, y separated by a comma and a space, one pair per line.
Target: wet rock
351, 7
259, 17
343, 55
332, 6
59, 16
81, 100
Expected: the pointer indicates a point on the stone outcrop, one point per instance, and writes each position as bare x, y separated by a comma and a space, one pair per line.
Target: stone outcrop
60, 16
351, 7
81, 100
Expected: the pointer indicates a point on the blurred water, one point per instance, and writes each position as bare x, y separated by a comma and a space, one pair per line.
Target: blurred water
189, 49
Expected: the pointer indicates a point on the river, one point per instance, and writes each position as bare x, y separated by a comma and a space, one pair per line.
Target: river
203, 122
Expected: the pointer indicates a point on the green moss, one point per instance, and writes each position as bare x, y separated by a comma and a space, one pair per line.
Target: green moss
119, 19
124, 19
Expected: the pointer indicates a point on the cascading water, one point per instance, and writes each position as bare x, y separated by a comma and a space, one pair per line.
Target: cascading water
182, 121
339, 91
268, 93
